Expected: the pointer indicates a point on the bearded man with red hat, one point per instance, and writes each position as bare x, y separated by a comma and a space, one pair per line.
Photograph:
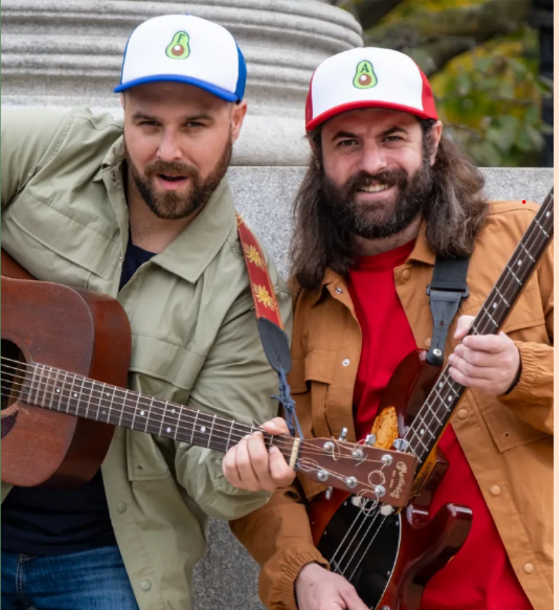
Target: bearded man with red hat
384, 198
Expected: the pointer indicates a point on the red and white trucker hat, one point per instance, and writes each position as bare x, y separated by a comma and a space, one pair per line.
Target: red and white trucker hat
368, 78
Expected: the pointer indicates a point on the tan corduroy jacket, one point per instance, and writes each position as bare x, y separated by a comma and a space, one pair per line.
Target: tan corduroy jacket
507, 440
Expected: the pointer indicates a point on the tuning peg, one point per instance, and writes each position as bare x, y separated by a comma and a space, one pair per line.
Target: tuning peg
370, 440
343, 435
400, 444
328, 493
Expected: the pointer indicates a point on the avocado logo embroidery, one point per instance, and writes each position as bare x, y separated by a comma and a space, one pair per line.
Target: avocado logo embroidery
179, 47
365, 77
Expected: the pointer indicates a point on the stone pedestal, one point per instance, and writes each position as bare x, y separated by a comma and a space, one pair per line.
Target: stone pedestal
67, 53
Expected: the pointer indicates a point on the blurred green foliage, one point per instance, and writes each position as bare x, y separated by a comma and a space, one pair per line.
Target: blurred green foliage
490, 101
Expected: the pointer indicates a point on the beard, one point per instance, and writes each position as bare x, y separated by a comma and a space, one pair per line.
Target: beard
384, 217
171, 205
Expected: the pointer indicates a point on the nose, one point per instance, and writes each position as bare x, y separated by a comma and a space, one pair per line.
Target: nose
373, 158
169, 149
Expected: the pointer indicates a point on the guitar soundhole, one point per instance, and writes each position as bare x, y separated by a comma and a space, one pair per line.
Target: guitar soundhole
13, 363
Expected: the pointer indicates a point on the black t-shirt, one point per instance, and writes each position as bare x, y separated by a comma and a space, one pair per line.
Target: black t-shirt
40, 521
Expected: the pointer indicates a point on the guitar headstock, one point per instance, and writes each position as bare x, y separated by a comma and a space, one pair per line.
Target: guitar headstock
379, 474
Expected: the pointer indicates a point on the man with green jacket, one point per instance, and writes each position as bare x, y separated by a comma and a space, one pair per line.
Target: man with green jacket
141, 211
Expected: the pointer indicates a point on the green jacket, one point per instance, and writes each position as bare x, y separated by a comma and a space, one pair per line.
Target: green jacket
194, 334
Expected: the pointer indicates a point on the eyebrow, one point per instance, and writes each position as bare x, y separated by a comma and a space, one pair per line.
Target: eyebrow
384, 134
196, 117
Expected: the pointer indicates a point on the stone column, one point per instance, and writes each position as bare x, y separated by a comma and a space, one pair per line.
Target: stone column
69, 52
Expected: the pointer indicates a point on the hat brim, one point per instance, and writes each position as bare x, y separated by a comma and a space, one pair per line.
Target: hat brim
175, 78
331, 112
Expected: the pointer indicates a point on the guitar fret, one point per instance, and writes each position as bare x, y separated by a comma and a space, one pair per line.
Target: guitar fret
70, 392
73, 395
229, 435
32, 382
541, 228
163, 418
100, 391
194, 427
134, 411
514, 275
502, 296
148, 417
211, 430
527, 252
178, 426
103, 396
495, 324
123, 405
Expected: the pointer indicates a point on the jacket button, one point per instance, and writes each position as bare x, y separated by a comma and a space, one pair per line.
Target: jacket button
114, 176
406, 274
146, 585
346, 362
122, 507
427, 342
495, 490
462, 413
529, 568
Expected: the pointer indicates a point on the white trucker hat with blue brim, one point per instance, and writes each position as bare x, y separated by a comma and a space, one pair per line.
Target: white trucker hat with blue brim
184, 49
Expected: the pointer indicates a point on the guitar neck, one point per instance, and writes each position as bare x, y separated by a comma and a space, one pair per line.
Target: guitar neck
435, 413
66, 392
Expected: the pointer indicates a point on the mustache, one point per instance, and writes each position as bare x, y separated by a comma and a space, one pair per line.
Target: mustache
170, 168
364, 179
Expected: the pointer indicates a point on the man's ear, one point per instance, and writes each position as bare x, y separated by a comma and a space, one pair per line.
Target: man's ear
435, 135
123, 99
237, 117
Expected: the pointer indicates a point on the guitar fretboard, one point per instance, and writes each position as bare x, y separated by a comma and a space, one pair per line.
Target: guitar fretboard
59, 390
443, 399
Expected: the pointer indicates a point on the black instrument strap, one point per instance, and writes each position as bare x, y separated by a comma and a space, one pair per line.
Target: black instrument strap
446, 291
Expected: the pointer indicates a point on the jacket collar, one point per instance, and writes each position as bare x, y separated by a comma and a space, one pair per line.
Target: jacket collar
421, 253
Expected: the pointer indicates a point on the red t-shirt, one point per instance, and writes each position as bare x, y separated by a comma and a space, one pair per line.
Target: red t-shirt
480, 577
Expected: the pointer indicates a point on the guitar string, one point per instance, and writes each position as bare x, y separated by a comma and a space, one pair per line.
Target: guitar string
304, 464
348, 547
418, 414
200, 417
512, 263
164, 409
505, 289
527, 237
278, 440
383, 521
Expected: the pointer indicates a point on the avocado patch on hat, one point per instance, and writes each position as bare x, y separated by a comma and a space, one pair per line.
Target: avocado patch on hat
365, 77
179, 47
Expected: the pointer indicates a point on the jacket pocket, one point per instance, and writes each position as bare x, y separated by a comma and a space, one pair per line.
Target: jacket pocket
506, 429
144, 460
318, 365
56, 239
314, 374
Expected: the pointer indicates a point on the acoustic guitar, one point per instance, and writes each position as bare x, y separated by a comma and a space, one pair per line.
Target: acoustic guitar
389, 555
65, 359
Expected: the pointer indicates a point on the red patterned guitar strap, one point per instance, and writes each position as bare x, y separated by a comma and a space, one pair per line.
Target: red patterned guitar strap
268, 319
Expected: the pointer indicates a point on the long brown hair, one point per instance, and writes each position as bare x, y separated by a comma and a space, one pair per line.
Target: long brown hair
456, 212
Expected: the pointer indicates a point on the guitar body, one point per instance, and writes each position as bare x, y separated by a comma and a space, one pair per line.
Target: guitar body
77, 331
389, 559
